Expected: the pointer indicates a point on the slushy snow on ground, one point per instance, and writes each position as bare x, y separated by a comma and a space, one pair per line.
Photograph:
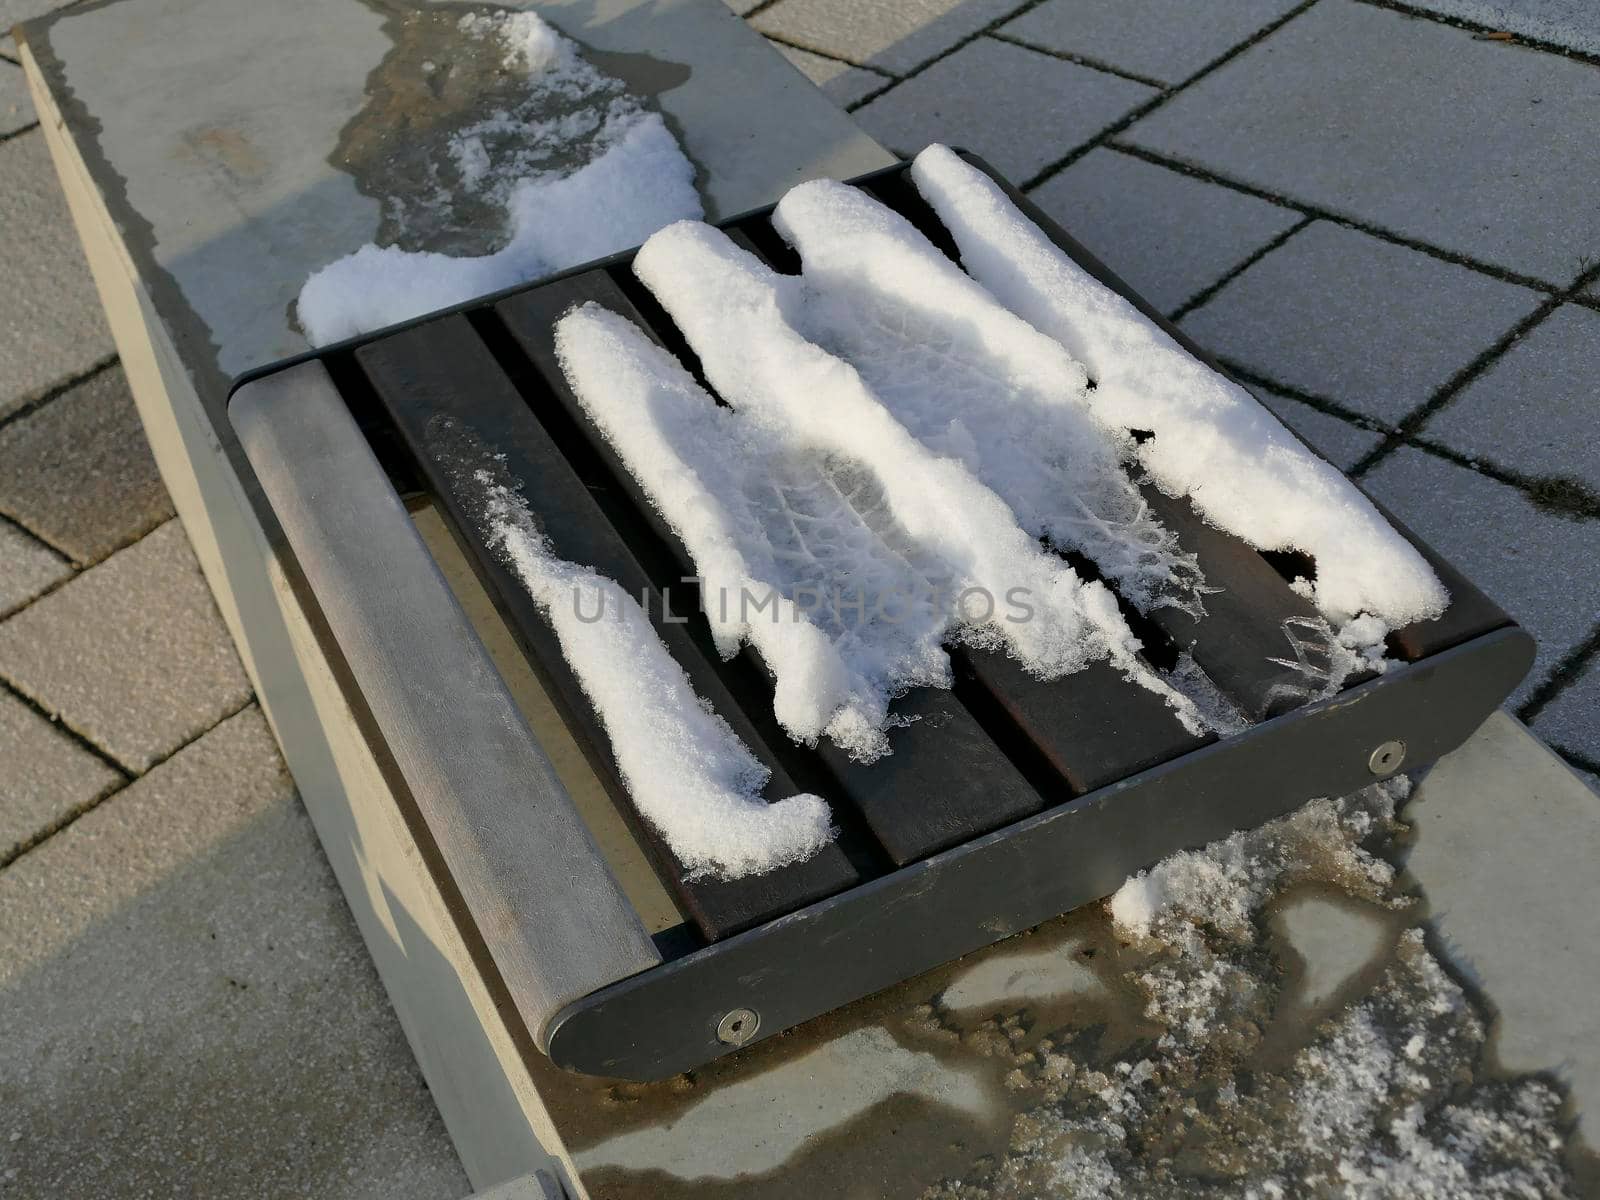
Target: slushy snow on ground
1212, 442
1222, 1090
688, 773
639, 181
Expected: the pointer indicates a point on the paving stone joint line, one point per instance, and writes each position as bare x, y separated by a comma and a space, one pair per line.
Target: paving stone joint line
1167, 93
128, 778
1080, 60
1417, 417
1322, 214
1238, 269
1484, 32
1562, 676
59, 388
961, 43
831, 56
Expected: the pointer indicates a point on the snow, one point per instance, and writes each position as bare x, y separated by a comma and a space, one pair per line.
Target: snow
736, 314
975, 382
785, 542
557, 217
689, 775
1217, 1095
1212, 442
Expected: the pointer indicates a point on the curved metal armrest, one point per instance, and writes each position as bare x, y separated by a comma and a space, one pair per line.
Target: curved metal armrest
553, 917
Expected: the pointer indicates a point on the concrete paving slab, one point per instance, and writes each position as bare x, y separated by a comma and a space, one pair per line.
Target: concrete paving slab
1574, 24
1344, 444
131, 654
1541, 568
16, 110
1478, 147
53, 327
250, 1051
1523, 412
1572, 720
1018, 108
897, 36
78, 472
1168, 234
1371, 325
1507, 849
840, 82
27, 567
1164, 40
45, 776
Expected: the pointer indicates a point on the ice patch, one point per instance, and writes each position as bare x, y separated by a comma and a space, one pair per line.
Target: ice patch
688, 773
558, 216
1212, 441
733, 312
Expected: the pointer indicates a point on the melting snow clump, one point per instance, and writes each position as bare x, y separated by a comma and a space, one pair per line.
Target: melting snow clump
637, 181
1225, 1093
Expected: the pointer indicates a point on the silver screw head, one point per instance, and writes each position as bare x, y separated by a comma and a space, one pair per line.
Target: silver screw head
738, 1026
1386, 759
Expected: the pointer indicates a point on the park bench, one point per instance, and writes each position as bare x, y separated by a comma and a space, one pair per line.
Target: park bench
1004, 803
195, 161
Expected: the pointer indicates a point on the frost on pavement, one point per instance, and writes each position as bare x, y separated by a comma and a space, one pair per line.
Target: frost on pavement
793, 395
1221, 1089
580, 168
971, 380
1212, 441
688, 773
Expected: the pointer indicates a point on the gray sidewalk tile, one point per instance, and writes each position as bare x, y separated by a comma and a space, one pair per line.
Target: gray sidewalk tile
53, 327
840, 82
1017, 108
1541, 568
1342, 443
247, 1048
1534, 409
1478, 147
1167, 234
1572, 719
44, 775
27, 567
131, 654
1574, 24
1369, 324
895, 35
16, 109
742, 6
78, 471
1164, 40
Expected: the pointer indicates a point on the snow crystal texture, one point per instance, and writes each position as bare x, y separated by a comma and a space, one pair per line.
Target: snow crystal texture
689, 775
1212, 442
896, 508
639, 181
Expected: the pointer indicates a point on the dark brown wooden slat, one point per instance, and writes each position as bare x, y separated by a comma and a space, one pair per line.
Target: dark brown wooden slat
1093, 726
1248, 620
443, 370
946, 781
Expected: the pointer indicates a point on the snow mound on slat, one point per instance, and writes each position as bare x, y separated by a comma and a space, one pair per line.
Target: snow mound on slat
1213, 442
688, 773
973, 381
733, 312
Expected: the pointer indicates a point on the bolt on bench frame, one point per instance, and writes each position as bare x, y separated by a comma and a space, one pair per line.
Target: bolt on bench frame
1007, 802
